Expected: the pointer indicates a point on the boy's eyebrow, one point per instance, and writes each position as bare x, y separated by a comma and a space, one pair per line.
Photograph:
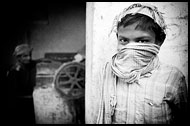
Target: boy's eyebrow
141, 37
122, 37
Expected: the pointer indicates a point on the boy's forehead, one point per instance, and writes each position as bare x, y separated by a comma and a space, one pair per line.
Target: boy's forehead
129, 27
132, 31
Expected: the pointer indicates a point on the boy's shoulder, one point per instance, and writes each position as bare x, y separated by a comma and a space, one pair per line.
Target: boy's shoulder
170, 69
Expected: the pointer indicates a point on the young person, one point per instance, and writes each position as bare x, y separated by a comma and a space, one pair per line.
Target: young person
135, 87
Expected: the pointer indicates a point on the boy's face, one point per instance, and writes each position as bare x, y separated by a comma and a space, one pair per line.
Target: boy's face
129, 35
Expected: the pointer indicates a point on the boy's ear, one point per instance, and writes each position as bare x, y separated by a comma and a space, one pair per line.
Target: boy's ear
117, 35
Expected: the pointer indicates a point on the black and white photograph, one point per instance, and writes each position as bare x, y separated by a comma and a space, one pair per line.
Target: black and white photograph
94, 62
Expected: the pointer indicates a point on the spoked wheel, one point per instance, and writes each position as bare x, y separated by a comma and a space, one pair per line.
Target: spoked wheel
70, 80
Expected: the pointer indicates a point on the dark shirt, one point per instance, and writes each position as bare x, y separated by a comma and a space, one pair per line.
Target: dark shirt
22, 81
20, 102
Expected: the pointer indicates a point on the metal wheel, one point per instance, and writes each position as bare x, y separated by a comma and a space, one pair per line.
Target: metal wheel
70, 80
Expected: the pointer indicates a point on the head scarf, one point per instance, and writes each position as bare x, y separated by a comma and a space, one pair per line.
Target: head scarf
21, 49
145, 9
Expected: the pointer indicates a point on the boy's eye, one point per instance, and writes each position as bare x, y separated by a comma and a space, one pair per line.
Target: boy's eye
143, 41
123, 41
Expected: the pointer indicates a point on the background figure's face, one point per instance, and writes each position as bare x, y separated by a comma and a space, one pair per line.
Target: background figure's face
24, 58
129, 34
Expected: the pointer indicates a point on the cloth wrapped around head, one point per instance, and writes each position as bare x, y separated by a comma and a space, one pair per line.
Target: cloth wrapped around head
22, 49
134, 61
145, 9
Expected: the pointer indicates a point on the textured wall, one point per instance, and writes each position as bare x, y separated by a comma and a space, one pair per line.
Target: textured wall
101, 47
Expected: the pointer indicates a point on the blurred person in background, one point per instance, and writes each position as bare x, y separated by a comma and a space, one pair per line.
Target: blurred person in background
21, 79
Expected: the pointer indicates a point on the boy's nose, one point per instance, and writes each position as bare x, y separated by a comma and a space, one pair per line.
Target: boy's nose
131, 42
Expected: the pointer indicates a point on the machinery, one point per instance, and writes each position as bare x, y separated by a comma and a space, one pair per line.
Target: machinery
70, 80
60, 89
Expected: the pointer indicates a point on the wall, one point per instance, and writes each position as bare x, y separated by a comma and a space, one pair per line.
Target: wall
63, 32
101, 46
